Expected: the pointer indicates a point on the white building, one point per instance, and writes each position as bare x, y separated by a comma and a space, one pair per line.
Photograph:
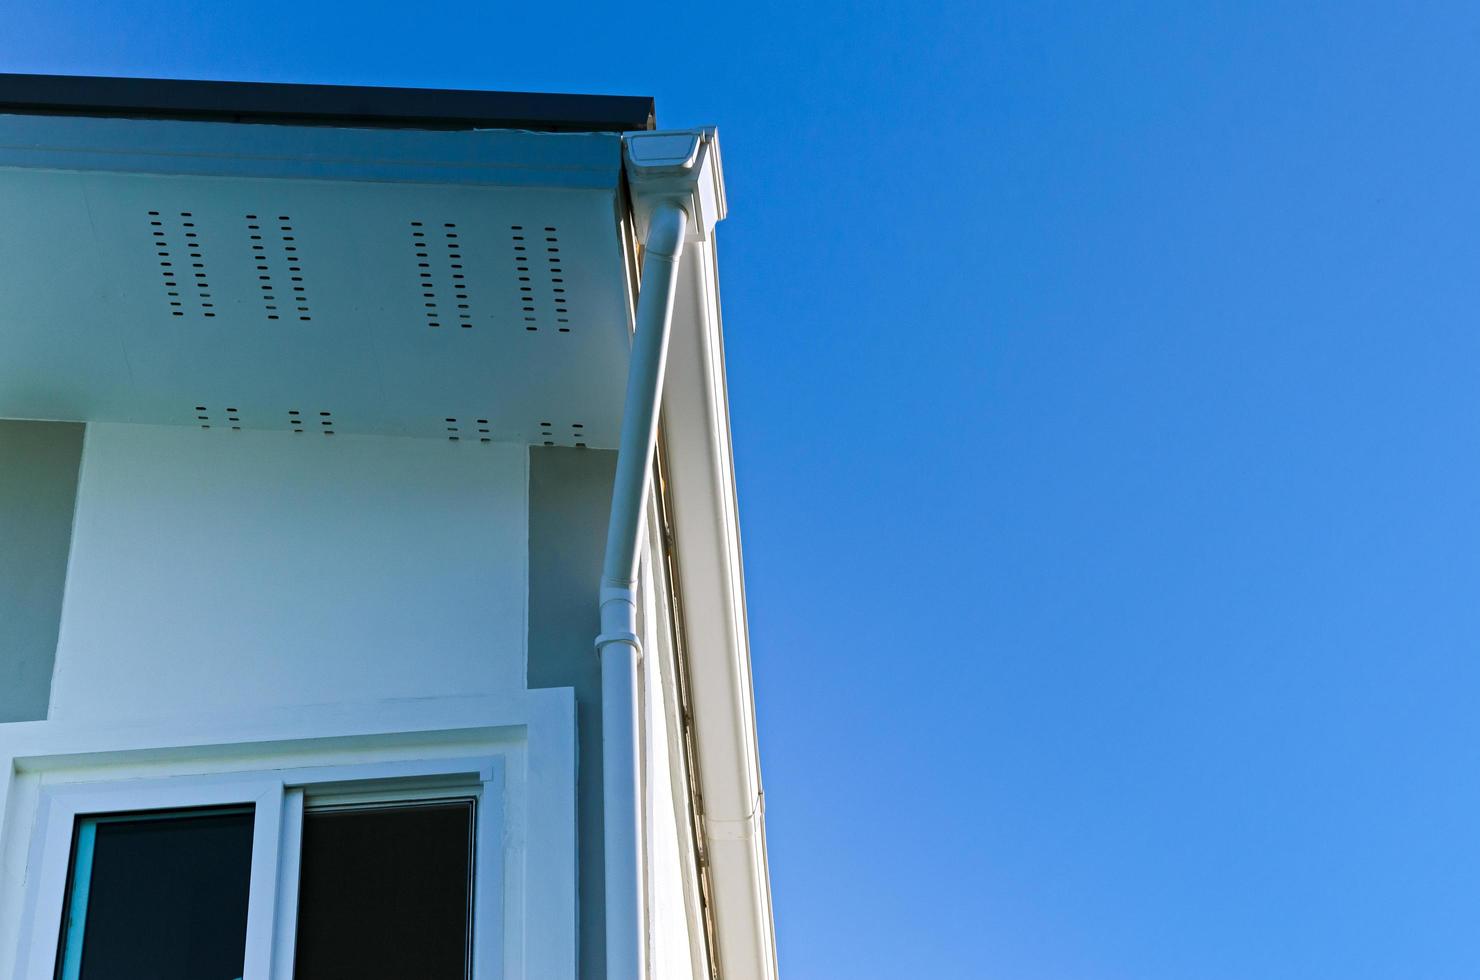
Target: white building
314, 400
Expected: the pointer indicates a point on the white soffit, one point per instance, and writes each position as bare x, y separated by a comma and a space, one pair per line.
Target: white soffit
279, 277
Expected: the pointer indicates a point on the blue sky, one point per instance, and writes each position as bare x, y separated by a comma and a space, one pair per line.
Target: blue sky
1104, 381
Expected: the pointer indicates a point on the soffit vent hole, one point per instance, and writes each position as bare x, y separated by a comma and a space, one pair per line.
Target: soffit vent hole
456, 429
428, 286
180, 255
528, 303
541, 286
558, 300
456, 269
277, 266
441, 274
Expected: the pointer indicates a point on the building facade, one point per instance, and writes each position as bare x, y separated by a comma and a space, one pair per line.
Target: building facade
370, 594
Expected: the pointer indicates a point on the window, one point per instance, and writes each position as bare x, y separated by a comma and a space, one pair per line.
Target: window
386, 891
159, 896
361, 872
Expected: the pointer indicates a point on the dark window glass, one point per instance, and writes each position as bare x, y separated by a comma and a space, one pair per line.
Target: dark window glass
158, 897
385, 893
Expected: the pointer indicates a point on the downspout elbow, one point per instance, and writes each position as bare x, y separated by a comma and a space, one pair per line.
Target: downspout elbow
666, 232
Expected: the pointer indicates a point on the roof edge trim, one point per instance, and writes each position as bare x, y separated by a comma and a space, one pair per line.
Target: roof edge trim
322, 105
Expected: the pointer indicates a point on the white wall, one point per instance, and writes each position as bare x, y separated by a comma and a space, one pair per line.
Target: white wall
236, 571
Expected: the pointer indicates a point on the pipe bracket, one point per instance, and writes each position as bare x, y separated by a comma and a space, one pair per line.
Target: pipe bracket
606, 639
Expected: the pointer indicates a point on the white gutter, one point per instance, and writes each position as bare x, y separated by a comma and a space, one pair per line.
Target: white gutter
668, 200
705, 540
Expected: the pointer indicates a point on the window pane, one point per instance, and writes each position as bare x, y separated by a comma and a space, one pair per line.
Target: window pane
158, 897
385, 893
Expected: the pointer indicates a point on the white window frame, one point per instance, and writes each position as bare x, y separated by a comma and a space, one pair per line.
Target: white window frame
279, 798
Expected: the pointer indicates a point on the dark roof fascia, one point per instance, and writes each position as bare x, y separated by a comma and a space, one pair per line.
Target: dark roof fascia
321, 105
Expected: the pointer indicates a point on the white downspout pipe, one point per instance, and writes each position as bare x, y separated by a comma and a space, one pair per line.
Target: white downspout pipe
618, 645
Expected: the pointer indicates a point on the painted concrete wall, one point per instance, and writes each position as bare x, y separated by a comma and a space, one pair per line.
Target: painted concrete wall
38, 485
229, 577
238, 571
569, 502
